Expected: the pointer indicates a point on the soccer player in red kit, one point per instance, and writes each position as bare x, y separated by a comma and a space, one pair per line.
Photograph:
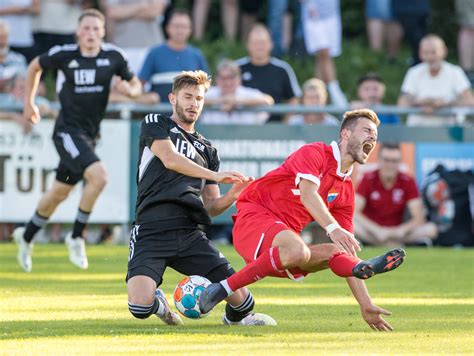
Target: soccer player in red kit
313, 184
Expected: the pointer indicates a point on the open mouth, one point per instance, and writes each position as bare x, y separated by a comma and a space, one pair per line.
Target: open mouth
368, 147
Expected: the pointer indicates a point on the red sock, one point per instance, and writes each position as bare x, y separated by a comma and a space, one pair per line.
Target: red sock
341, 263
267, 263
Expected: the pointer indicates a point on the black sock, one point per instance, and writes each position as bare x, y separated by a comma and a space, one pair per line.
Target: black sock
239, 312
80, 223
33, 226
144, 311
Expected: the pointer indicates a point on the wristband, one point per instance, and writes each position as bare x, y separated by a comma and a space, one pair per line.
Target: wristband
331, 227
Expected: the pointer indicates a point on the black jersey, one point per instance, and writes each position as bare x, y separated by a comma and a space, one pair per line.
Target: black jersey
83, 84
276, 78
165, 196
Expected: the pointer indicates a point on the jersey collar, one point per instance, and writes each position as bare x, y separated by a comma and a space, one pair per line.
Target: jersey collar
337, 156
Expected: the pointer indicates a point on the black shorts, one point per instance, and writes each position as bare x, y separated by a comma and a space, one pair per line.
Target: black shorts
76, 152
187, 251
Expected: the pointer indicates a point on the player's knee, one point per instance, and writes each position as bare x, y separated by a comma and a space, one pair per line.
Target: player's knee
298, 255
59, 196
99, 181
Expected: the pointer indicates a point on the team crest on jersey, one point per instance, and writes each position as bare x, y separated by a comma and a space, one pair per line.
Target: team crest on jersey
73, 64
332, 195
103, 62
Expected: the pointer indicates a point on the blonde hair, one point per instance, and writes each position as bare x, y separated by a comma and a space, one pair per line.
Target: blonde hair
191, 78
230, 65
92, 13
350, 118
318, 85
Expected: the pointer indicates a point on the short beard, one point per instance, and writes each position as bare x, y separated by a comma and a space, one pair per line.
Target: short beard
182, 115
353, 148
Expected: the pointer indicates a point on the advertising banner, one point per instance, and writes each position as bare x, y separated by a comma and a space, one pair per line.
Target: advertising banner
27, 164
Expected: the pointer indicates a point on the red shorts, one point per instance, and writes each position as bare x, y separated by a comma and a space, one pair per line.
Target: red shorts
253, 233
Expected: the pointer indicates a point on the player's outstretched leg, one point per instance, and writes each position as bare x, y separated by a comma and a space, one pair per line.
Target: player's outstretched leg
25, 249
77, 251
380, 264
166, 315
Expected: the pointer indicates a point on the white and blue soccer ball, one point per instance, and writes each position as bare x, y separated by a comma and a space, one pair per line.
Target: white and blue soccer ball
186, 296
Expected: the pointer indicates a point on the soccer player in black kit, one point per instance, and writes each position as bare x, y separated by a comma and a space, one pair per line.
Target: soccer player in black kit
177, 181
86, 69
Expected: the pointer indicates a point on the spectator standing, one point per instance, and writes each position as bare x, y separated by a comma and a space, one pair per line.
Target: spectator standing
314, 94
434, 84
17, 14
370, 93
11, 63
55, 24
136, 27
322, 34
166, 61
465, 15
268, 74
382, 198
282, 17
249, 10
413, 17
229, 94
381, 25
229, 18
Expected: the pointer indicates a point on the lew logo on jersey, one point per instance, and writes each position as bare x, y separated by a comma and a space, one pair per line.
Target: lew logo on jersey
332, 195
185, 148
84, 76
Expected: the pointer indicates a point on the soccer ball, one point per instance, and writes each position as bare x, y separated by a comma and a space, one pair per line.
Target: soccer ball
186, 296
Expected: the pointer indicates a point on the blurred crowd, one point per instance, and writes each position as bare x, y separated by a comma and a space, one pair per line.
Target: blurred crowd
156, 35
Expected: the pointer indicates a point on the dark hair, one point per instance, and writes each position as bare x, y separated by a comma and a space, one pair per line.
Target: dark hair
181, 12
389, 146
350, 118
371, 76
191, 78
92, 13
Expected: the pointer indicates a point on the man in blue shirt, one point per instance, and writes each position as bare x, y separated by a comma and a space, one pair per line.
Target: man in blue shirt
166, 61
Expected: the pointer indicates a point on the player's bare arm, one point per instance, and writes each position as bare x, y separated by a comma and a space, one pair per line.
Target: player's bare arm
313, 202
131, 88
166, 152
217, 204
371, 313
30, 110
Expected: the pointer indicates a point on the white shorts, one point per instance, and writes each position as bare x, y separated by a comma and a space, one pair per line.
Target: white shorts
321, 34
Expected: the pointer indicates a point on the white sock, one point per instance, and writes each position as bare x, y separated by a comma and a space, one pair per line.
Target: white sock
161, 308
337, 96
226, 287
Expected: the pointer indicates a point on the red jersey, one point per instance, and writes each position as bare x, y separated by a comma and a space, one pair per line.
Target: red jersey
386, 206
278, 192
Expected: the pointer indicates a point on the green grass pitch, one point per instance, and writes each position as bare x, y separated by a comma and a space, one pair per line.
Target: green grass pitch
58, 309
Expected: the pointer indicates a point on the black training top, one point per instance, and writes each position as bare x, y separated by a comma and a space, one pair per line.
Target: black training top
83, 84
166, 198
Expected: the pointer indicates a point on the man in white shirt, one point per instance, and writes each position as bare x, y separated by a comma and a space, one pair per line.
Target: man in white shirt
434, 84
229, 94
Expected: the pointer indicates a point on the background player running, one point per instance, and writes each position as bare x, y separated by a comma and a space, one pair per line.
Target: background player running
86, 69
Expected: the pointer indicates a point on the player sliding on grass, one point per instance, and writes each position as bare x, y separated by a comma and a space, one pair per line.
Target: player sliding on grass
177, 191
312, 184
